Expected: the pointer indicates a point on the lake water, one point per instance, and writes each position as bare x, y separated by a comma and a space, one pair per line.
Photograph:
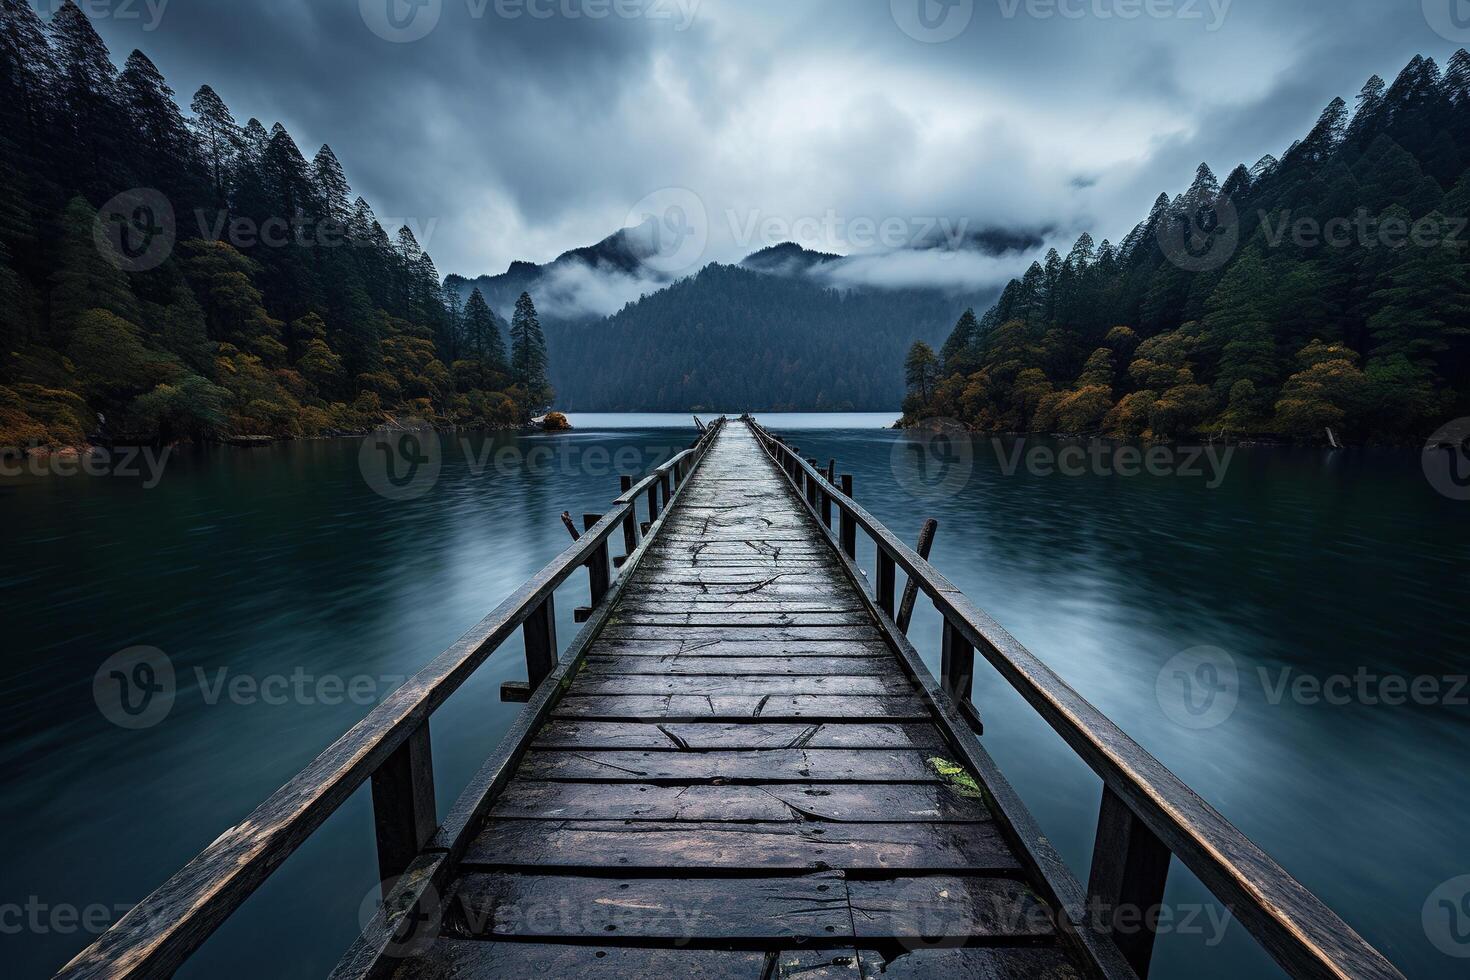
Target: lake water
262, 573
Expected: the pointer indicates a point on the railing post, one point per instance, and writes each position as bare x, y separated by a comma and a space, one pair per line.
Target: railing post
827, 496
598, 577
957, 663
887, 581
403, 806
539, 633
1130, 867
630, 522
848, 523
653, 501
665, 485
811, 485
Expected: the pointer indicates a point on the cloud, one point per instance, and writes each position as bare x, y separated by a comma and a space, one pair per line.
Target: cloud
575, 289
532, 135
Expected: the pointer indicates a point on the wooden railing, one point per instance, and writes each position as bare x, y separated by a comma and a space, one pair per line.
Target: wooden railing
390, 748
1149, 816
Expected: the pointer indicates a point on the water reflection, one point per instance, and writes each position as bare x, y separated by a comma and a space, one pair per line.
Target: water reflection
1311, 562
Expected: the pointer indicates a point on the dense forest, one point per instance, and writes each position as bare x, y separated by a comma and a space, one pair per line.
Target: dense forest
732, 339
165, 276
1327, 289
768, 335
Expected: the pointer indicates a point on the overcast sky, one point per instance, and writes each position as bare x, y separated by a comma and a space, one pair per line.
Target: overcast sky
501, 135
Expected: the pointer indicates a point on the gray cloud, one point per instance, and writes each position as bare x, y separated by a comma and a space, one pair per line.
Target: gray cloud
520, 138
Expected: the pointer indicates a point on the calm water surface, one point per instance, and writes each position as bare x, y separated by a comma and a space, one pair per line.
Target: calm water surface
282, 564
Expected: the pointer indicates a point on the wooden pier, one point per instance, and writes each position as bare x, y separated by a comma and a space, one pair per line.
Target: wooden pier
740, 767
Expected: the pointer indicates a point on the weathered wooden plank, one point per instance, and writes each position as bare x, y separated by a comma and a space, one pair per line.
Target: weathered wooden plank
710, 607
754, 634
461, 959
744, 666
719, 646
769, 766
943, 908
750, 735
751, 596
810, 707
971, 963
594, 685
847, 803
770, 847
775, 910
725, 620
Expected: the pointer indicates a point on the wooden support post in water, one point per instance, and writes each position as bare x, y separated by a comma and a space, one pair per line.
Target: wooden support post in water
848, 524
911, 587
1130, 867
599, 577
403, 806
887, 584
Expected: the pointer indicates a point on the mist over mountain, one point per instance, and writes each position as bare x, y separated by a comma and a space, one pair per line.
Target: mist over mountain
622, 331
789, 328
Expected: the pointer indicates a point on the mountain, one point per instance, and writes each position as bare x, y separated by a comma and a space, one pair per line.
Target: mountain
579, 285
1327, 289
786, 332
788, 259
734, 339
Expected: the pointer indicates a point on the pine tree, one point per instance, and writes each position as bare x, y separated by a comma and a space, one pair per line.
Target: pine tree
330, 183
92, 123
965, 333
219, 137
482, 335
921, 371
528, 358
164, 152
27, 77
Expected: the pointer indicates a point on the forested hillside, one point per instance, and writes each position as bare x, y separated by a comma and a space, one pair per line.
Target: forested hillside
228, 286
1326, 289
731, 339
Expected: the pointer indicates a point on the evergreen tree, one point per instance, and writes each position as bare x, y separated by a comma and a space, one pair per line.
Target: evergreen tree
91, 124
482, 337
528, 360
164, 154
220, 138
921, 371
